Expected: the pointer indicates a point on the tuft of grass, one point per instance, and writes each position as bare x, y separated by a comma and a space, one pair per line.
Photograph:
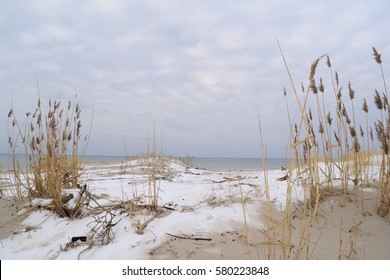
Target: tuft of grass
329, 149
382, 128
49, 142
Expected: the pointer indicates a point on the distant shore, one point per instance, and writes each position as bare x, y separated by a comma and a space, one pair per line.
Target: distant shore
210, 163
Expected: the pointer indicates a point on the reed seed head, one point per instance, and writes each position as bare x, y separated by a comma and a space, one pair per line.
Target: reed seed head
365, 107
313, 87
385, 101
352, 131
321, 128
347, 119
377, 56
52, 124
328, 61
382, 137
356, 145
321, 87
339, 94
337, 138
78, 128
314, 67
378, 100
329, 119
371, 133
344, 110
32, 144
351, 91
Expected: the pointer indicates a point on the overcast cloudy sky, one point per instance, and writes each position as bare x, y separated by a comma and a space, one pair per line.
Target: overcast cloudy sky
199, 70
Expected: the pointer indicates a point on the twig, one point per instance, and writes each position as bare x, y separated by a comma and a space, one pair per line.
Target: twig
86, 249
190, 238
227, 179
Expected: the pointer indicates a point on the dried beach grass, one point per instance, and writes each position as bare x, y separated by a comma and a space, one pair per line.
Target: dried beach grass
49, 145
328, 144
382, 128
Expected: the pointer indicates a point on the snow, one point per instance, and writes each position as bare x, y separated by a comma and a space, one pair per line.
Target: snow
202, 201
196, 202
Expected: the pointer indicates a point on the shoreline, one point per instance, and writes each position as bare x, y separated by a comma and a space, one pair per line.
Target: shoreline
209, 163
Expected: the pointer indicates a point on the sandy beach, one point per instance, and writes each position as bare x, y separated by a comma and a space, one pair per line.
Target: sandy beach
202, 214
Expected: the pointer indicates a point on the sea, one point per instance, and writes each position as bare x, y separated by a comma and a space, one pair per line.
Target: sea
209, 163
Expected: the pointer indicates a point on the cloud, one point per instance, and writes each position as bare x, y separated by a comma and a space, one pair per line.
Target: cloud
198, 70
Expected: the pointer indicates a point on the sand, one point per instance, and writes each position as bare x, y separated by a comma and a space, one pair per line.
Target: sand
10, 219
330, 236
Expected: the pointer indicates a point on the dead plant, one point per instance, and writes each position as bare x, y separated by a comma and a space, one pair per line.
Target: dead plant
45, 150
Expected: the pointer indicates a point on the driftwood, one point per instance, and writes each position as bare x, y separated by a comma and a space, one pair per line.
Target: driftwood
234, 179
102, 229
284, 178
192, 173
226, 179
190, 238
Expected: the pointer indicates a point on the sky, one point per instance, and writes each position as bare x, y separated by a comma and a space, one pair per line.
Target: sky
196, 74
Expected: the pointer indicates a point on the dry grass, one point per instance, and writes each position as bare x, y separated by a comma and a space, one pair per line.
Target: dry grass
382, 128
49, 142
329, 149
144, 202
